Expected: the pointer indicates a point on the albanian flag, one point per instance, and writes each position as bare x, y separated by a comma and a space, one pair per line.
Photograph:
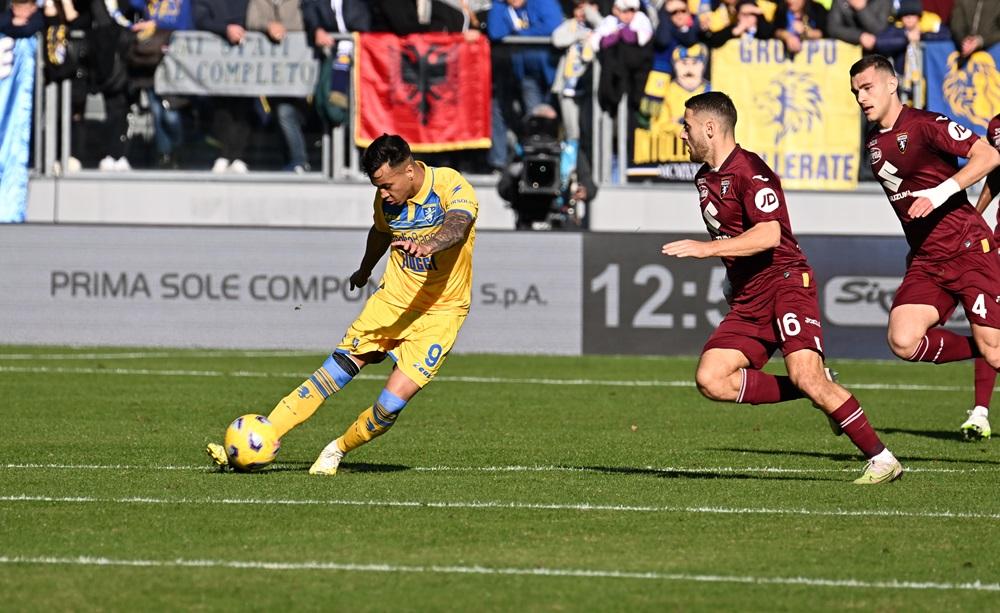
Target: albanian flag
431, 89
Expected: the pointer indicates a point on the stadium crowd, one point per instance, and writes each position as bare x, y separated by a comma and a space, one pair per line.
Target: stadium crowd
110, 49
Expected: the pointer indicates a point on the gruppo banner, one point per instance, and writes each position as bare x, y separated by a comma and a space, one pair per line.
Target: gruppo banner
432, 89
17, 86
798, 112
205, 64
969, 91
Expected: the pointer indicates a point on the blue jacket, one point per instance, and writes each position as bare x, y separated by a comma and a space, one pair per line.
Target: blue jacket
168, 14
215, 15
543, 16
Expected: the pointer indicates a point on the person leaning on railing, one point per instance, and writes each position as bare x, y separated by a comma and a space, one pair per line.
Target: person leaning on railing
22, 19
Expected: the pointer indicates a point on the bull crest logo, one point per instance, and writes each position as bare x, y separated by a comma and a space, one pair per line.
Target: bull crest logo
901, 142
792, 102
423, 74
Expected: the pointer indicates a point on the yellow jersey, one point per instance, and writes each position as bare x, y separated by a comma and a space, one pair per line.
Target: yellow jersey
440, 283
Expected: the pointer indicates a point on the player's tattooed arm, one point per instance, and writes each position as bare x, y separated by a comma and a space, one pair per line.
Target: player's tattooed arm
453, 230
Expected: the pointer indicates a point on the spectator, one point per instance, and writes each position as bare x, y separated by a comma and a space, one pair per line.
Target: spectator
626, 55
232, 115
676, 27
975, 25
573, 85
528, 71
748, 21
404, 17
797, 21
858, 21
106, 43
572, 81
901, 43
65, 58
323, 18
276, 18
22, 19
159, 18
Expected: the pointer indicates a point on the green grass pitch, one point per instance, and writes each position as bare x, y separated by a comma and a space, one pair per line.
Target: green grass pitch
511, 483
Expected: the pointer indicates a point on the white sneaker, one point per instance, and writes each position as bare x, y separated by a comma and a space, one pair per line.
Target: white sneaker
73, 165
220, 165
238, 167
883, 468
107, 164
977, 427
328, 460
122, 165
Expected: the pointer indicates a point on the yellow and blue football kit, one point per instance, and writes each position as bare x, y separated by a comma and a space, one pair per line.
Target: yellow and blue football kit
414, 316
422, 301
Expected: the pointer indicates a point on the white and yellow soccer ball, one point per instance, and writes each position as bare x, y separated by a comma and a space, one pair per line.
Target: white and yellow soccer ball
251, 443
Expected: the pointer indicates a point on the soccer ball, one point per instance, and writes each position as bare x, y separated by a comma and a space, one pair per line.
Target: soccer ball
251, 443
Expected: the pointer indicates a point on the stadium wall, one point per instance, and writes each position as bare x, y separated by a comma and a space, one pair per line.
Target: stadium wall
279, 199
271, 288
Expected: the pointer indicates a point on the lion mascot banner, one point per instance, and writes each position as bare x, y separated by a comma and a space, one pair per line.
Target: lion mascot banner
967, 91
798, 112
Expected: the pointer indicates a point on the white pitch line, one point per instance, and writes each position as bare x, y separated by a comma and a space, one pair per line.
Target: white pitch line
516, 506
452, 379
895, 584
515, 468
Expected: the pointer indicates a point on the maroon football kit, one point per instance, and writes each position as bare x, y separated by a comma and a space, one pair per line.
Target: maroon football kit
950, 257
993, 179
774, 301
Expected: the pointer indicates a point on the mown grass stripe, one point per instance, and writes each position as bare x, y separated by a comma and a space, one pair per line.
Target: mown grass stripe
452, 379
895, 584
515, 506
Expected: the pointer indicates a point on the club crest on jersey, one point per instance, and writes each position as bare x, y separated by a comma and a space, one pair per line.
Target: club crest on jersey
876, 155
901, 142
724, 186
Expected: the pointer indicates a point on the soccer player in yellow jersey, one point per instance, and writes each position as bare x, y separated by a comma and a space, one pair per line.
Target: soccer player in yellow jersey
425, 215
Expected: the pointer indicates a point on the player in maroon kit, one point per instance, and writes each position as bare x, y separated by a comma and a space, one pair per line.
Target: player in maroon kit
773, 301
977, 426
914, 155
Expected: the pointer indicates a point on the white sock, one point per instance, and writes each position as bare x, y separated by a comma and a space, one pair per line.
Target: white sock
980, 410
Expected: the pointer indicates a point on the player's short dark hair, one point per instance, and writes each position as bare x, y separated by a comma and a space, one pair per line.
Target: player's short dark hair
388, 149
717, 103
879, 62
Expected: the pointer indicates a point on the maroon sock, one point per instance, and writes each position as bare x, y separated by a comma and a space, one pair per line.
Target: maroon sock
853, 422
985, 379
762, 388
940, 346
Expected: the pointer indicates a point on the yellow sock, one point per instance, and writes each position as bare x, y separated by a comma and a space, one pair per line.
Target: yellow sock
302, 402
372, 422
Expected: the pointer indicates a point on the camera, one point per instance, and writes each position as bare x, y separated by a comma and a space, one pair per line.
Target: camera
542, 152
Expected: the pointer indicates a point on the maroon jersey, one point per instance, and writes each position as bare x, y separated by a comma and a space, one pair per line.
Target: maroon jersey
993, 179
742, 193
921, 151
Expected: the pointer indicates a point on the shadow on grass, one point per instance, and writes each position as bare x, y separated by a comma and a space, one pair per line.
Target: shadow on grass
696, 474
941, 435
854, 457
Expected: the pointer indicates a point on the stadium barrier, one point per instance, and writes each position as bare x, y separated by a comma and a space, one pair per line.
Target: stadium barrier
571, 294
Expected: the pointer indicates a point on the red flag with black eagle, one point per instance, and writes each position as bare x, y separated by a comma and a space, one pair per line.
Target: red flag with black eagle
432, 89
